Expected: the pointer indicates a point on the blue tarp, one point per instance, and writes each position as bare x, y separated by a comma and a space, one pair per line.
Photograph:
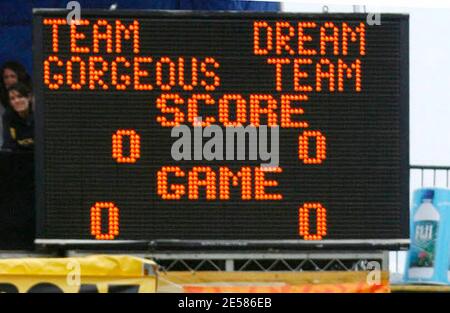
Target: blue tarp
16, 18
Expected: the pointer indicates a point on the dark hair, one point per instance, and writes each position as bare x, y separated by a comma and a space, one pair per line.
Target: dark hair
22, 77
21, 88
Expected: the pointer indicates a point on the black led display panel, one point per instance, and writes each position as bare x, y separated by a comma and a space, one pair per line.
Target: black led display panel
111, 89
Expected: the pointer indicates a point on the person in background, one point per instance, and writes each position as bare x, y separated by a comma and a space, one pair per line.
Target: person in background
11, 73
18, 120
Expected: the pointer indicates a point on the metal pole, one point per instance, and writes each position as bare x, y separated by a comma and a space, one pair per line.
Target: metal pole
359, 9
229, 265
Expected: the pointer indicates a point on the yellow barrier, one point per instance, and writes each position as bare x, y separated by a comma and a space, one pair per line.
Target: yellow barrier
272, 282
99, 273
420, 288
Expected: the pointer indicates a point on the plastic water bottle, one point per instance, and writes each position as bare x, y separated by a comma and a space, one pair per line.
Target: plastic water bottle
424, 238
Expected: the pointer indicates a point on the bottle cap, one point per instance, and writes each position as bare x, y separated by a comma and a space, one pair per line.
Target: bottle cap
428, 194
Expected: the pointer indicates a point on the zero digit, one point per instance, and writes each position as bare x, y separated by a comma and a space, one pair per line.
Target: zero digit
321, 221
117, 146
96, 221
303, 147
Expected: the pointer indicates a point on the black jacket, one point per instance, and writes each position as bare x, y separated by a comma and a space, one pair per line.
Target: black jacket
18, 133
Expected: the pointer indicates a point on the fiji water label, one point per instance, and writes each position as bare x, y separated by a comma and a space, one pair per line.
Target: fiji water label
423, 245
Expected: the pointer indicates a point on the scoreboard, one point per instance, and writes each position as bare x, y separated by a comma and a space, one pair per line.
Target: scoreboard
222, 127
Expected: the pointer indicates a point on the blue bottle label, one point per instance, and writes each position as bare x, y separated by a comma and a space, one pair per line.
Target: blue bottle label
423, 245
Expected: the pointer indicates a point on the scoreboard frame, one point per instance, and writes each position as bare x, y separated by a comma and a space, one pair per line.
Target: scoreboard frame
163, 244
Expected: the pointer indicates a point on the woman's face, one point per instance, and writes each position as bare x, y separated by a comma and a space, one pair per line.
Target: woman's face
9, 78
18, 102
